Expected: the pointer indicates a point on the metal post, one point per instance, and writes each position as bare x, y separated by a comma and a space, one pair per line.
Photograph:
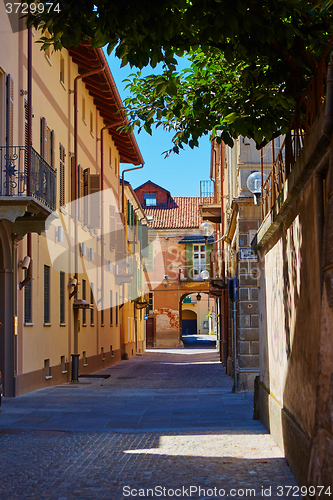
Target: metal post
75, 356
234, 339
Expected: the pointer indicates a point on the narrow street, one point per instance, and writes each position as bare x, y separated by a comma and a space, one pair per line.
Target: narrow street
165, 419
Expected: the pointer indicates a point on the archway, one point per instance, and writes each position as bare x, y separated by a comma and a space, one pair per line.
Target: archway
189, 322
181, 311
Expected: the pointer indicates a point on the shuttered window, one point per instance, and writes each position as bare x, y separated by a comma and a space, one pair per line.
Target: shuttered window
111, 308
92, 303
95, 208
117, 312
62, 155
28, 300
86, 191
62, 297
10, 112
112, 228
84, 295
26, 136
46, 294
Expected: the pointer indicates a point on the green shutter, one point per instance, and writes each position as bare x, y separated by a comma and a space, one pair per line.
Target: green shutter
189, 261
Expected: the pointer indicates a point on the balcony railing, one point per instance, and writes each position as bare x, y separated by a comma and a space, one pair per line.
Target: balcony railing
303, 119
15, 181
207, 192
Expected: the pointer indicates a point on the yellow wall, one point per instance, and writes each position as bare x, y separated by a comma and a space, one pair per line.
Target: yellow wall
53, 101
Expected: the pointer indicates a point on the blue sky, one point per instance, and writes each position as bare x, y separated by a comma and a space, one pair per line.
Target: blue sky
180, 174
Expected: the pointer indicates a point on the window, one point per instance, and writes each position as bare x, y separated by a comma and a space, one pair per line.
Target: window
47, 368
150, 307
199, 260
91, 123
150, 199
102, 313
92, 304
62, 297
117, 308
62, 156
84, 110
46, 294
27, 300
111, 309
84, 294
84, 355
62, 70
63, 364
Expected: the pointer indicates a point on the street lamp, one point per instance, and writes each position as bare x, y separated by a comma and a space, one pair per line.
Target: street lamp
206, 230
254, 186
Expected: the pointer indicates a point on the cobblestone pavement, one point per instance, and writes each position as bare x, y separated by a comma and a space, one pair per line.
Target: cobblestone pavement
163, 425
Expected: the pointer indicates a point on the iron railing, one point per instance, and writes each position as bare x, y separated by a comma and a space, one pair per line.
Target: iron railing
40, 183
207, 192
302, 121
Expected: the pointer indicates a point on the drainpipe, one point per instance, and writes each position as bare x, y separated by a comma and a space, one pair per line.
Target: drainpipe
75, 355
123, 187
29, 239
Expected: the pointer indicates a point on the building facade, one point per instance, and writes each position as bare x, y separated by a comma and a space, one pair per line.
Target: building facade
179, 298
61, 213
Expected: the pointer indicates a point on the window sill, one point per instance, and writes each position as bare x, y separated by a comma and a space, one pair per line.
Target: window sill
63, 324
84, 324
48, 59
64, 372
48, 377
47, 324
92, 135
85, 364
92, 324
29, 324
84, 121
63, 210
63, 85
102, 324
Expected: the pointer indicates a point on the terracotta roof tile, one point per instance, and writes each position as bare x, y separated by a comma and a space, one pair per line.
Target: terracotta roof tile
180, 212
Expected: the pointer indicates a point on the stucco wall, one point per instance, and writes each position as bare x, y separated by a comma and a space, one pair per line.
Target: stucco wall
289, 328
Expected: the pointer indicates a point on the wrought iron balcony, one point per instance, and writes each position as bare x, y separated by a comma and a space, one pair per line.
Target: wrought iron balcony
16, 182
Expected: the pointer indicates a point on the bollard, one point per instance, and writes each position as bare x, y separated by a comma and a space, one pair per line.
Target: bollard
75, 367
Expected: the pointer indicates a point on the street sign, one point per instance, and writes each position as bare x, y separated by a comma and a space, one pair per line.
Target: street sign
247, 253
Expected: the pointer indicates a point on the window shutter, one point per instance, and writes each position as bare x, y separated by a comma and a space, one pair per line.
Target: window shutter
52, 149
112, 227
189, 261
46, 294
10, 112
72, 185
26, 136
95, 208
43, 138
144, 242
81, 192
86, 191
62, 156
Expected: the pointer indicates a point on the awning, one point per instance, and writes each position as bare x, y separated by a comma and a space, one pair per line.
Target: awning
196, 238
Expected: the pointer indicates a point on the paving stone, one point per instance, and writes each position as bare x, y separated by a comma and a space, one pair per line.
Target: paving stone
173, 424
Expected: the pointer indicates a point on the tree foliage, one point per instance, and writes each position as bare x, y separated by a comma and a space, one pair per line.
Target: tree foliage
250, 59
